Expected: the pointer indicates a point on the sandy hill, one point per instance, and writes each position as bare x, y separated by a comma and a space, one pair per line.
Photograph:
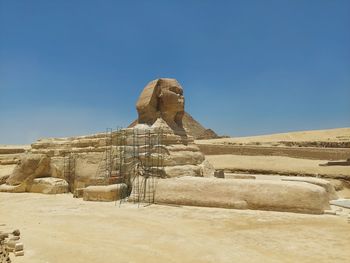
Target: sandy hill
338, 137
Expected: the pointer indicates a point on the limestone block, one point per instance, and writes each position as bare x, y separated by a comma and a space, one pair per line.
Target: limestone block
80, 143
182, 170
206, 169
10, 149
185, 157
181, 147
48, 152
173, 159
51, 143
258, 194
49, 185
316, 181
105, 193
31, 166
57, 169
87, 168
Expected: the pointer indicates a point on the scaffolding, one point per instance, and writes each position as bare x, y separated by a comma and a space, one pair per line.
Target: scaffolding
109, 152
105, 167
69, 170
133, 157
147, 164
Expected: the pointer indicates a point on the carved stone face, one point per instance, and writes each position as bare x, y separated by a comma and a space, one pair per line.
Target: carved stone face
172, 102
162, 98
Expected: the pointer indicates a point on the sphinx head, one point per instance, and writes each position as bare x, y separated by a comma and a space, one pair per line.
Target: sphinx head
161, 98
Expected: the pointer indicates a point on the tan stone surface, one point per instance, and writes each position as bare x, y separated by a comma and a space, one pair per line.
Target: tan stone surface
184, 158
207, 169
90, 168
13, 149
59, 228
317, 181
182, 170
31, 166
256, 194
48, 185
277, 165
104, 192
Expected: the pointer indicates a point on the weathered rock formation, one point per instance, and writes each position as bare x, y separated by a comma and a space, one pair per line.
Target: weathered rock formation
30, 166
33, 173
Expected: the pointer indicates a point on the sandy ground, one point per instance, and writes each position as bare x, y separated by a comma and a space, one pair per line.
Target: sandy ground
333, 135
62, 229
276, 164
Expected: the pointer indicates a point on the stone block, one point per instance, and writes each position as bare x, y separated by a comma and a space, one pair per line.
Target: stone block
105, 192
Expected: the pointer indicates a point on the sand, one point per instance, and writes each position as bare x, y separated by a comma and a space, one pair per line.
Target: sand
278, 165
59, 228
331, 135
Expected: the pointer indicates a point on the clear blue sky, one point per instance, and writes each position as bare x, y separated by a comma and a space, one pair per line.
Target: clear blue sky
247, 67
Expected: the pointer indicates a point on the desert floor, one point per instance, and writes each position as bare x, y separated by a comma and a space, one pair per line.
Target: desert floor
59, 228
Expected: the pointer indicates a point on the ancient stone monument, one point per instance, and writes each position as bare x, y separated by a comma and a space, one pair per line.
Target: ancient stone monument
158, 138
164, 98
154, 160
